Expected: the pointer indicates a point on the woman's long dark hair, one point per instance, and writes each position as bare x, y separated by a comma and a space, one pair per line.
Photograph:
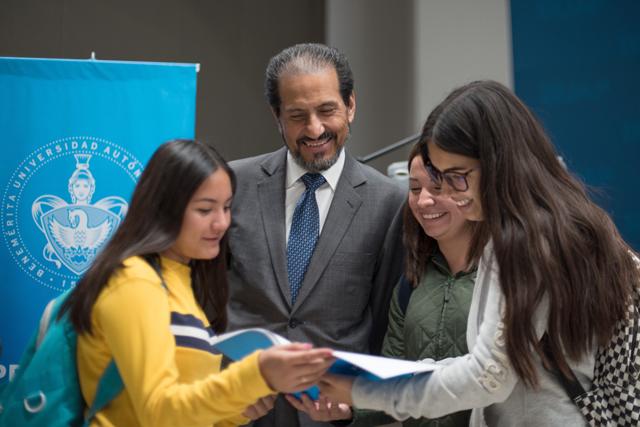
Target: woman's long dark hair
549, 238
174, 173
418, 245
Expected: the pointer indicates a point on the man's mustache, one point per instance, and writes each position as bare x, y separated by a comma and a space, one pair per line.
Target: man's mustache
323, 136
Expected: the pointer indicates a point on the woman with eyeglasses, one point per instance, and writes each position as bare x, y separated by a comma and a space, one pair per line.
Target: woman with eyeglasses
551, 264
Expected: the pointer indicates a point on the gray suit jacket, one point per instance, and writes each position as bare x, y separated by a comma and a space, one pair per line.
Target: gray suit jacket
344, 297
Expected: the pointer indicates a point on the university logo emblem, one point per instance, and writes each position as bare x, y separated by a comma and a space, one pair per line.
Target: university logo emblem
76, 231
51, 225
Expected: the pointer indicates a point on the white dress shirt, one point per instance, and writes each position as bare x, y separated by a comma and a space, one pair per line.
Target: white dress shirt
324, 194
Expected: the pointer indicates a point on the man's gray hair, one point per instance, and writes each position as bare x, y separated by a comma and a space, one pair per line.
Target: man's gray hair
306, 58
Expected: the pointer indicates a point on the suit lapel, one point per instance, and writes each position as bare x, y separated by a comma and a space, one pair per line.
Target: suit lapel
345, 204
271, 195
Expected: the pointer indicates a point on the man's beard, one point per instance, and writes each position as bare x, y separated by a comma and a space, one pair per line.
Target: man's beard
316, 165
319, 164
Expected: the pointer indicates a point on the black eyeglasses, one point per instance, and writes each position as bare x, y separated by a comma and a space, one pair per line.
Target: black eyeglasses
456, 180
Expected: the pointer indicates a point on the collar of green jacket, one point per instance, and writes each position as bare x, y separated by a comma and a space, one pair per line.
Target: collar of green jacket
438, 260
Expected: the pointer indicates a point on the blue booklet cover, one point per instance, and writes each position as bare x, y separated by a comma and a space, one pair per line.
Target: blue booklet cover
238, 344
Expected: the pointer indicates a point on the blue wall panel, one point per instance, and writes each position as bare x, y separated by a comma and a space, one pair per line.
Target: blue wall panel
577, 65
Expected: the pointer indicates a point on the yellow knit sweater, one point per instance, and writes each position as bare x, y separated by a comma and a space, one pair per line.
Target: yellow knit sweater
159, 341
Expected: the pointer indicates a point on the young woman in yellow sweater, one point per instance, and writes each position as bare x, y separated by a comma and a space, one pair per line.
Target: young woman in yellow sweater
143, 303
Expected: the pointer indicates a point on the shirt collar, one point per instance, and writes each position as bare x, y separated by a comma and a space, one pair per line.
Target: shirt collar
332, 175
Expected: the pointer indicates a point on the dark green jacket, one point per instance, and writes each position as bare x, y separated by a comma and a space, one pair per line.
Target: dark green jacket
433, 326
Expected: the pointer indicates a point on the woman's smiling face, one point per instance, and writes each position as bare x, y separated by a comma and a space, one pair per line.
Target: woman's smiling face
437, 213
456, 165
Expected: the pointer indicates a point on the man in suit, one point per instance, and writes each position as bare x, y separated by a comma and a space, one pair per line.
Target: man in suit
329, 285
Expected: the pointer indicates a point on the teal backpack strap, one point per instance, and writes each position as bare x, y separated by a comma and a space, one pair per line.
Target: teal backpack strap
154, 261
109, 386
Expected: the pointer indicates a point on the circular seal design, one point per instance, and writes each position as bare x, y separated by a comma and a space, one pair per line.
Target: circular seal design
51, 224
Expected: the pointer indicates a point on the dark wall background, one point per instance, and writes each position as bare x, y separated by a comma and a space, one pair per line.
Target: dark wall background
231, 39
378, 37
577, 64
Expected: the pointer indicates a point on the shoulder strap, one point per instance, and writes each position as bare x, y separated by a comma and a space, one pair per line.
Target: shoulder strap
571, 386
154, 261
109, 386
45, 320
405, 289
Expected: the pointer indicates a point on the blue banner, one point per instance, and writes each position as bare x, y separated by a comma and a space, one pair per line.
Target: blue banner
75, 136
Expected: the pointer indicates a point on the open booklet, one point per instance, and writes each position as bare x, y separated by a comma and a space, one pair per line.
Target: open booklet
238, 344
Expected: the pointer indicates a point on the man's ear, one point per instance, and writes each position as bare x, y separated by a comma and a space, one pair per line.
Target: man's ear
351, 108
277, 119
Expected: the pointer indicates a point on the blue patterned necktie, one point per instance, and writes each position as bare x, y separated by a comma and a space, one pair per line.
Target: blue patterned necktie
305, 228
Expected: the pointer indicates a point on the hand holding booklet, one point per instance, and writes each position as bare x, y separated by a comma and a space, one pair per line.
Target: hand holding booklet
238, 344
